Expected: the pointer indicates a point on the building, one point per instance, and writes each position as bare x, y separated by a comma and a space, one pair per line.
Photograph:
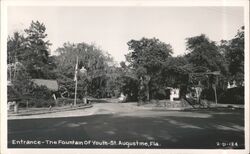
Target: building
50, 84
229, 86
174, 93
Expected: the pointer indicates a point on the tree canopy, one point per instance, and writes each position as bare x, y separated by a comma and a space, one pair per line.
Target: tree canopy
147, 58
94, 67
148, 70
205, 54
32, 50
235, 57
148, 54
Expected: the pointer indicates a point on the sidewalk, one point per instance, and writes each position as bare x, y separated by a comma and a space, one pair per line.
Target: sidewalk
239, 106
39, 111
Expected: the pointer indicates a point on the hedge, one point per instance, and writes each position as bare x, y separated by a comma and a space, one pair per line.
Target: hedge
232, 96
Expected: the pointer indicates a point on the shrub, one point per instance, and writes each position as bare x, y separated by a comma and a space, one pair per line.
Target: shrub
42, 103
41, 92
40, 96
232, 96
160, 94
36, 102
68, 101
208, 93
12, 93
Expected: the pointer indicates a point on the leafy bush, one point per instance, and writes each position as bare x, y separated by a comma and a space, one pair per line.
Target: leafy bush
36, 102
208, 93
232, 96
41, 92
68, 101
12, 93
42, 102
40, 96
160, 94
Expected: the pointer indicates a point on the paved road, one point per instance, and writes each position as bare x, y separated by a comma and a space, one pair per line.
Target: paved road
114, 125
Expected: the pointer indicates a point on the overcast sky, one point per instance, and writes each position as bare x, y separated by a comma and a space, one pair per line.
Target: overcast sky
111, 28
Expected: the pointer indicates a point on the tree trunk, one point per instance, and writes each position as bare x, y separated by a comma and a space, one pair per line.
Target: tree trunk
147, 92
215, 93
147, 80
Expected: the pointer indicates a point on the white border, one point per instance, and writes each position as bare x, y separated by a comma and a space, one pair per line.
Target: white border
247, 64
117, 3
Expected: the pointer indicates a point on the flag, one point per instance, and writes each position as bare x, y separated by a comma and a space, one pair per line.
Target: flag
76, 69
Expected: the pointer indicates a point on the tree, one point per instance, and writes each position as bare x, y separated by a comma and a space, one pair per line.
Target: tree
127, 82
96, 80
205, 53
175, 73
17, 73
31, 49
205, 57
28, 57
147, 57
36, 54
21, 82
15, 47
235, 57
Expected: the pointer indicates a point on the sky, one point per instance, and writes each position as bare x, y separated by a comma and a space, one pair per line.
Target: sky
110, 28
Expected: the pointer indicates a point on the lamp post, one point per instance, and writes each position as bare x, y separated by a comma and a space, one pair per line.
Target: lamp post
83, 70
75, 79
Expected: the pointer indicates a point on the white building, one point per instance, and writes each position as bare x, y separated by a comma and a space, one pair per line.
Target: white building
229, 86
174, 93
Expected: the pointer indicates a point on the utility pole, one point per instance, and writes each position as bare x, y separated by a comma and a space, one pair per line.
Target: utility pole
75, 79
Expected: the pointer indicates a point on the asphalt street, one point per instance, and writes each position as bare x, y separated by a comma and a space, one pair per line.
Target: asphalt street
118, 126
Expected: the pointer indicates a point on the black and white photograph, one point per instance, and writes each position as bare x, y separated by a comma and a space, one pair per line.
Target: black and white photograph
125, 76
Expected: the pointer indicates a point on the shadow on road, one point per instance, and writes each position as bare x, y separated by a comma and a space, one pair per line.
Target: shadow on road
173, 130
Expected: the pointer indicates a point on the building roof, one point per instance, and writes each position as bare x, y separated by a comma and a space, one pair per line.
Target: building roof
50, 84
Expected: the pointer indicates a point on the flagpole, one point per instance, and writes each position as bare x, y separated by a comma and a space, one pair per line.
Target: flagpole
76, 80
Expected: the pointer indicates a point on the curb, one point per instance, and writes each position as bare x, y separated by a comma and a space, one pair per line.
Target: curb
165, 108
225, 106
229, 106
50, 111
